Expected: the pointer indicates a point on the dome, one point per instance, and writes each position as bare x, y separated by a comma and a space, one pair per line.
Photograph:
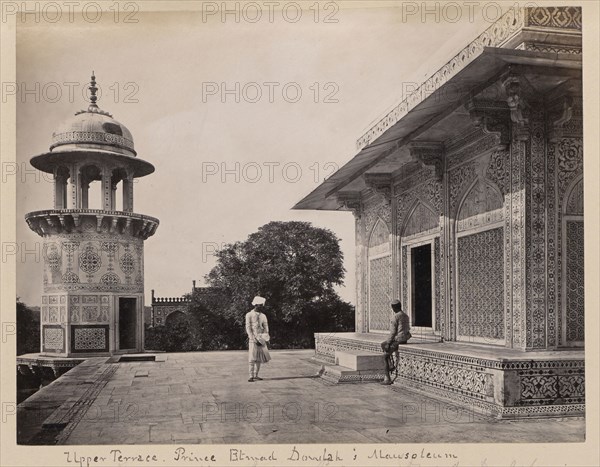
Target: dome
93, 129
92, 135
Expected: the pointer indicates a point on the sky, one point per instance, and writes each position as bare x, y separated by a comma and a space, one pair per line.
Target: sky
228, 159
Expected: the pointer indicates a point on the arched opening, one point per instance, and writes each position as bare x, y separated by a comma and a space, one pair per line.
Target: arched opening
573, 296
176, 318
118, 196
90, 187
61, 177
480, 265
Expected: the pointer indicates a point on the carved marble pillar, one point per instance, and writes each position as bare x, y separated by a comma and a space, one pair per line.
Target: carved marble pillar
536, 232
85, 189
106, 189
517, 255
60, 189
128, 193
74, 186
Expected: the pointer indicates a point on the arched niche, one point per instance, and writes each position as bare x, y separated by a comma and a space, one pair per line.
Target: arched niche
574, 204
380, 234
422, 220
90, 192
379, 274
61, 177
481, 206
480, 314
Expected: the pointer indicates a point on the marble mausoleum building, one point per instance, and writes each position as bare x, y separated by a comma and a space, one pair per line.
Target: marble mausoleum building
468, 202
93, 285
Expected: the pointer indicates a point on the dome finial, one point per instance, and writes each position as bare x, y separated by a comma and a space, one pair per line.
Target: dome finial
93, 90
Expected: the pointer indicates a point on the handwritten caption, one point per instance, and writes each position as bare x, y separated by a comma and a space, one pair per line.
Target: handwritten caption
204, 456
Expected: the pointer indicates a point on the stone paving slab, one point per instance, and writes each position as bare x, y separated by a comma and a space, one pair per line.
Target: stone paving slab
204, 397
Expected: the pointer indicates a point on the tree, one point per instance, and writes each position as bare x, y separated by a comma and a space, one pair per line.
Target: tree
28, 329
296, 267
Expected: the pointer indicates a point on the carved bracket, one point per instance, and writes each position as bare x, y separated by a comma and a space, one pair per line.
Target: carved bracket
514, 99
429, 154
492, 118
380, 183
350, 201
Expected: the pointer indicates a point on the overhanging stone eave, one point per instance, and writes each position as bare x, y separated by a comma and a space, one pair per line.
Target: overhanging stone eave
477, 75
46, 162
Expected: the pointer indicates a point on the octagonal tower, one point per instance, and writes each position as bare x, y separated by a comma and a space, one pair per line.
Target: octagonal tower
93, 284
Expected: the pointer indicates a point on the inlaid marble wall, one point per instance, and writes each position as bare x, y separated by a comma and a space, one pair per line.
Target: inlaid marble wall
505, 222
93, 262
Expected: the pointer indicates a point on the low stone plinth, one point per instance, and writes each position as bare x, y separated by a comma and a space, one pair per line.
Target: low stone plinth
359, 360
495, 381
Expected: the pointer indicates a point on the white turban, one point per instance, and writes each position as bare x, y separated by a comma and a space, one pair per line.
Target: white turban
259, 300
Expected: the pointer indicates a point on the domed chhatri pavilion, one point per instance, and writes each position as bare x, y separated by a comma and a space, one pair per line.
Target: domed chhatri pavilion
93, 285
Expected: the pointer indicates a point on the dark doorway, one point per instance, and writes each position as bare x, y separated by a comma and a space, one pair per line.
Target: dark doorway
421, 298
127, 323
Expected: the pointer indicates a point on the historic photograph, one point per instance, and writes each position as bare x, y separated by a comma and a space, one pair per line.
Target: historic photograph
356, 224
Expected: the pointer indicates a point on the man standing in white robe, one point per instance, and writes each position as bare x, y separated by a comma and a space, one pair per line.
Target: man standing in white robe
257, 329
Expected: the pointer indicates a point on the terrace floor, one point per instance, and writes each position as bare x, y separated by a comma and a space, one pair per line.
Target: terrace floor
204, 397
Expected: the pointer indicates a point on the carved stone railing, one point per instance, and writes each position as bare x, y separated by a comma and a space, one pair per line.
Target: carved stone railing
59, 221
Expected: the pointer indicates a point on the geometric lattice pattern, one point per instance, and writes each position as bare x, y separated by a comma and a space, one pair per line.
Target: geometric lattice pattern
539, 387
575, 282
438, 374
89, 338
548, 384
380, 271
481, 284
54, 338
89, 260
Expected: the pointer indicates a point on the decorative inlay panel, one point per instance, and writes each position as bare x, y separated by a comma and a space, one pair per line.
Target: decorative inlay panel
404, 268
373, 212
498, 170
380, 270
564, 17
452, 378
438, 285
92, 338
536, 234
127, 263
481, 284
53, 339
89, 260
575, 300
96, 262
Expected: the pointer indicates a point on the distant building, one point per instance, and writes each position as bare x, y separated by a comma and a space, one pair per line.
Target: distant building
468, 201
163, 307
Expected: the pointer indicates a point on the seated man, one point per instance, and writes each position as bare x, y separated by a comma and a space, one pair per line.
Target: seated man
399, 334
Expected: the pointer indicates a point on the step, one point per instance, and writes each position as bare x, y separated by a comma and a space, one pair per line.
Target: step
338, 374
359, 360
